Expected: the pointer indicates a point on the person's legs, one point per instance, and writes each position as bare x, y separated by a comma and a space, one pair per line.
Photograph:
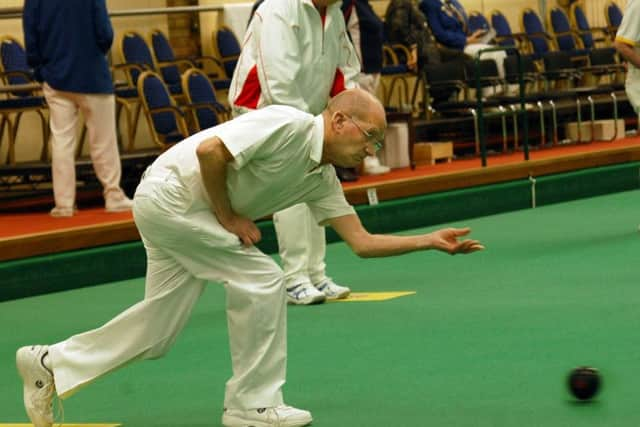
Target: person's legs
99, 114
63, 121
300, 245
145, 330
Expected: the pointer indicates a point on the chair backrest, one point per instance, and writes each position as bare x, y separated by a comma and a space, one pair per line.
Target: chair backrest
164, 53
155, 94
502, 28
580, 22
198, 89
14, 58
532, 26
561, 28
477, 21
613, 14
227, 48
134, 50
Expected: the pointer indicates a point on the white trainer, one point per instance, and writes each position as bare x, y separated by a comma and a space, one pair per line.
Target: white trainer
39, 387
280, 416
304, 294
118, 203
60, 212
372, 166
332, 290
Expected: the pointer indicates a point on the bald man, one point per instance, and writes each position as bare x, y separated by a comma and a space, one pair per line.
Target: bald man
195, 209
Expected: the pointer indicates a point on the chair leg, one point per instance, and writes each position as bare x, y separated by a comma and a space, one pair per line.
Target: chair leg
592, 111
476, 130
11, 153
554, 122
44, 152
503, 119
543, 137
514, 114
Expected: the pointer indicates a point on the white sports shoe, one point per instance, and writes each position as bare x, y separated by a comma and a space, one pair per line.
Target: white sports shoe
280, 416
372, 166
59, 212
333, 291
118, 203
304, 294
39, 387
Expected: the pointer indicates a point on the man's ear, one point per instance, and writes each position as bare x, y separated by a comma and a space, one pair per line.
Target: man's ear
338, 120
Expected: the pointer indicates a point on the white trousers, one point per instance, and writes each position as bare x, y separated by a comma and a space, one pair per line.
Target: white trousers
184, 250
99, 115
302, 245
498, 55
632, 86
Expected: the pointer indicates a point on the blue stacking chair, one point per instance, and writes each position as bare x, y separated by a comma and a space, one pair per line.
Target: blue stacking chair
227, 48
14, 70
165, 119
477, 21
590, 36
202, 101
504, 35
613, 15
170, 66
540, 43
137, 58
565, 37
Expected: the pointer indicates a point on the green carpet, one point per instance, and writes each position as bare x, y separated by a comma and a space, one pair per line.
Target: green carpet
487, 340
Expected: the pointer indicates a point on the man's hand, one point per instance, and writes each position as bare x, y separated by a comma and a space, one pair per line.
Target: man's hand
476, 36
446, 240
244, 228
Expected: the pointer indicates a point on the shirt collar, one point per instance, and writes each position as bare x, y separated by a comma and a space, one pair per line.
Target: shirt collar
317, 139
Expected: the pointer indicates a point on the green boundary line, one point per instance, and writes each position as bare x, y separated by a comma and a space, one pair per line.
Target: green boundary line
88, 267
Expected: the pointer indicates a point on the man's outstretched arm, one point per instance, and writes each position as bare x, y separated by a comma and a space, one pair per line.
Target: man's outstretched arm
368, 245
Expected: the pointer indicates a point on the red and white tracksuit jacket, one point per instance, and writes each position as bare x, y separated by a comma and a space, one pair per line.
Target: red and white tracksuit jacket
292, 55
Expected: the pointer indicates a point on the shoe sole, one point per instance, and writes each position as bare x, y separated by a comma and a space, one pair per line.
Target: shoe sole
340, 296
230, 421
316, 300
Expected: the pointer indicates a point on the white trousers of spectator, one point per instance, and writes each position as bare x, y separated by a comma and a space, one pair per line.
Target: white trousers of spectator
99, 116
498, 56
184, 250
302, 245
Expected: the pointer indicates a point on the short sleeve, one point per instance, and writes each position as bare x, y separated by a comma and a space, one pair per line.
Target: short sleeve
629, 31
330, 203
256, 134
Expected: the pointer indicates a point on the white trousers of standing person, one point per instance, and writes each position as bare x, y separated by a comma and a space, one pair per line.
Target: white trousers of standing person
185, 249
99, 117
302, 245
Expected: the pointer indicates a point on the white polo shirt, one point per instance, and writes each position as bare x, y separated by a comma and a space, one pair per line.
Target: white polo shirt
277, 152
629, 33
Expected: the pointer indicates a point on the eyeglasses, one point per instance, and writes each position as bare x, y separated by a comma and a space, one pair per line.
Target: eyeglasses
376, 140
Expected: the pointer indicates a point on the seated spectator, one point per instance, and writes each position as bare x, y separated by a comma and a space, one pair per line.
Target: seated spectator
449, 22
406, 25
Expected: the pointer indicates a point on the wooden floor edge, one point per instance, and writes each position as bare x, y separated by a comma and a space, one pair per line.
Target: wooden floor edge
490, 175
67, 240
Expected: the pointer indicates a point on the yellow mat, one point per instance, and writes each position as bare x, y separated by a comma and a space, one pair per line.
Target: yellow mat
371, 296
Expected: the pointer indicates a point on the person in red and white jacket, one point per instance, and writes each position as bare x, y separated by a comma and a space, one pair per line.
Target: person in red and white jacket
297, 53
